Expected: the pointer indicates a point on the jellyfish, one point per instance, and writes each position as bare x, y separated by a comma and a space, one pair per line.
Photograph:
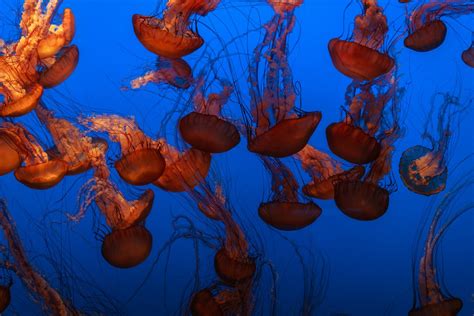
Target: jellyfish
426, 30
5, 297
129, 243
280, 129
424, 170
205, 128
360, 58
141, 162
467, 55
428, 296
183, 170
52, 301
175, 72
284, 211
324, 171
10, 158
215, 301
171, 36
71, 145
38, 172
40, 44
56, 73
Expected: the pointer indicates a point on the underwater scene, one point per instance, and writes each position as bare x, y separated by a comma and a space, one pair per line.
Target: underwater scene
237, 157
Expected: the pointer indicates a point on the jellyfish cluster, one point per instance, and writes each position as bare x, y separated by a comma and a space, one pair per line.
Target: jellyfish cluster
121, 165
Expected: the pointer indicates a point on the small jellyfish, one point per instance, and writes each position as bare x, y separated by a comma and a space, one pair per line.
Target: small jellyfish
276, 127
426, 31
424, 170
171, 36
38, 172
205, 128
468, 55
184, 170
429, 296
359, 57
285, 211
175, 72
141, 162
324, 171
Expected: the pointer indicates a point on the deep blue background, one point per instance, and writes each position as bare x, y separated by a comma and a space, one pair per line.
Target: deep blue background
369, 263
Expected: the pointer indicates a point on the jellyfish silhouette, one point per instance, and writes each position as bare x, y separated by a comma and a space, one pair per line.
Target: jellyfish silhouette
141, 162
426, 31
171, 36
359, 57
424, 170
175, 72
204, 128
324, 171
284, 211
280, 129
429, 298
467, 55
39, 46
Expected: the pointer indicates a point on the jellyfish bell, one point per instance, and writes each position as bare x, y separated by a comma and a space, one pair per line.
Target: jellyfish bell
10, 159
289, 215
61, 69
449, 307
468, 56
180, 74
185, 172
155, 37
24, 104
420, 172
233, 270
357, 61
127, 248
43, 175
208, 133
351, 143
287, 137
324, 189
361, 200
428, 37
141, 167
203, 303
59, 38
5, 297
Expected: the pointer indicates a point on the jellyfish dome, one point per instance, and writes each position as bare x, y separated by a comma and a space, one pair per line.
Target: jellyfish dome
61, 69
468, 56
10, 158
449, 307
233, 270
418, 171
289, 215
203, 303
5, 297
427, 37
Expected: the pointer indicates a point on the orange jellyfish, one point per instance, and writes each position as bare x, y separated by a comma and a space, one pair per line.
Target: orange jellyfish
280, 129
129, 243
216, 301
40, 44
429, 297
426, 31
10, 158
38, 172
324, 171
61, 68
205, 128
424, 170
183, 170
468, 55
52, 301
141, 162
175, 72
71, 145
284, 211
171, 36
360, 58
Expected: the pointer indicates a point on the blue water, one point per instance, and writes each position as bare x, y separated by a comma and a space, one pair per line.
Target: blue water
368, 265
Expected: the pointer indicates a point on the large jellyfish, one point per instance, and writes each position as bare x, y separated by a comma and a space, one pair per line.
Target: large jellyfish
38, 171
324, 171
280, 129
43, 46
171, 35
141, 162
205, 128
429, 298
284, 211
359, 57
39, 287
424, 170
129, 243
426, 31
